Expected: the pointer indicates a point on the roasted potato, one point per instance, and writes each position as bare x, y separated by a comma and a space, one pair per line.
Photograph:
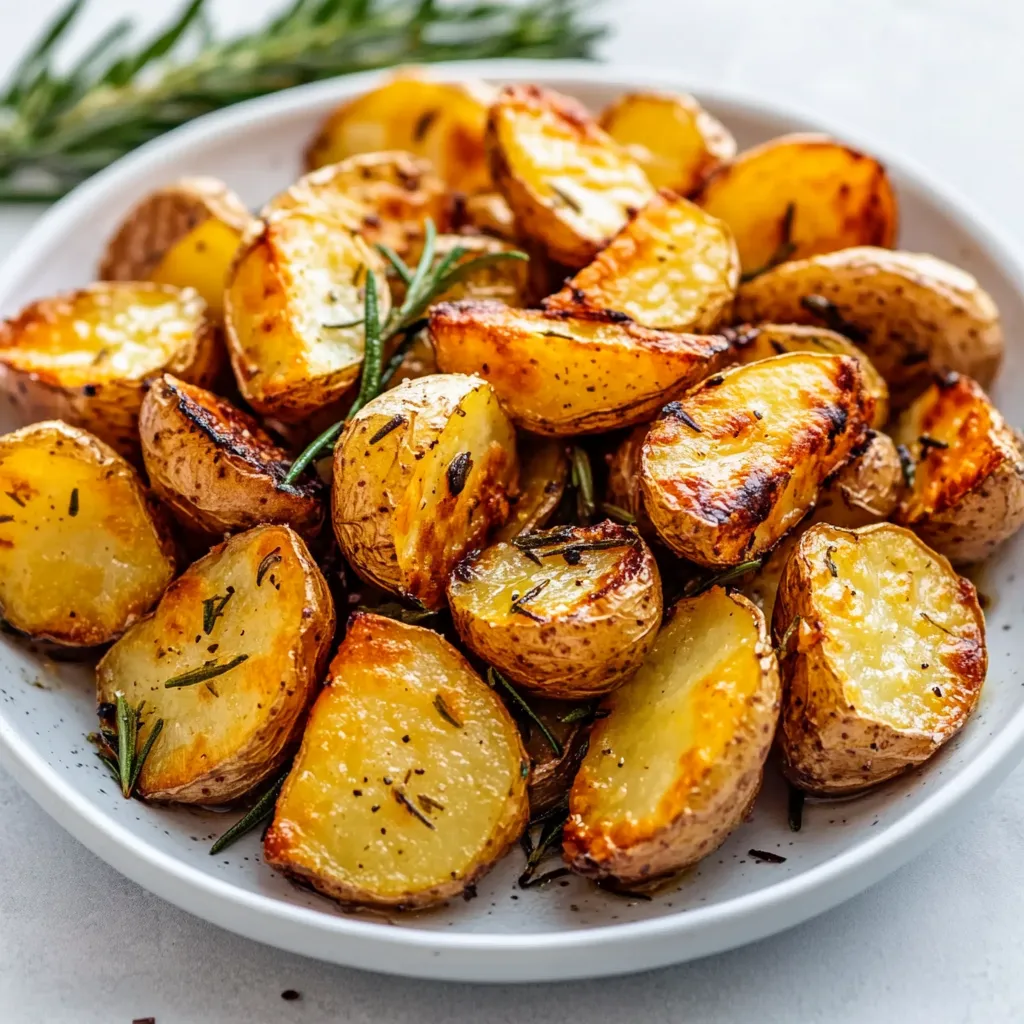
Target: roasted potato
727, 471
507, 280
551, 771
675, 766
490, 214
442, 121
800, 195
83, 551
567, 613
184, 235
229, 661
883, 654
216, 469
543, 472
411, 780
672, 267
966, 493
560, 375
623, 487
673, 138
913, 315
568, 183
85, 357
421, 474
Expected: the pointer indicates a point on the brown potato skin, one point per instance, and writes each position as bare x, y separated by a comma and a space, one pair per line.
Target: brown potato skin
623, 487
550, 775
216, 469
543, 472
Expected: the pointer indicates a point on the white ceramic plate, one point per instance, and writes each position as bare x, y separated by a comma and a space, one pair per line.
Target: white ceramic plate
568, 929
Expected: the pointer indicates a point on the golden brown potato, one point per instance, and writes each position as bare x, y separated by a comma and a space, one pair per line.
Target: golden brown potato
84, 357
569, 184
673, 138
411, 780
442, 121
83, 550
229, 661
543, 471
507, 280
883, 653
184, 235
567, 613
799, 195
490, 214
421, 474
560, 375
912, 314
672, 267
967, 490
732, 467
623, 487
675, 766
216, 469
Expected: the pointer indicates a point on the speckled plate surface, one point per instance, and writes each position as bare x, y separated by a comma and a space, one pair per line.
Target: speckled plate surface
567, 929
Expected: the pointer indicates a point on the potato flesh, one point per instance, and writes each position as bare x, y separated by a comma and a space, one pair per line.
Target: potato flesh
201, 260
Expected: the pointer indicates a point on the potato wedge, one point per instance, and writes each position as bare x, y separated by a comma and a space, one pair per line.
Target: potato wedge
184, 235
84, 552
673, 138
569, 184
230, 661
800, 195
85, 357
490, 214
672, 267
441, 121
913, 315
543, 472
421, 474
506, 281
411, 780
574, 626
216, 469
884, 656
730, 469
675, 766
967, 491
559, 376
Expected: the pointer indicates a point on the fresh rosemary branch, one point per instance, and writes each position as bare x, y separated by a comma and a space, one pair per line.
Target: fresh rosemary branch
497, 681
59, 126
259, 812
125, 760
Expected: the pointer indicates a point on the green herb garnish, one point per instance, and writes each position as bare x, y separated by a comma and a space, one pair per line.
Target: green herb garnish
701, 583
213, 609
411, 808
210, 670
266, 565
497, 681
129, 761
550, 836
583, 481
260, 811
617, 512
441, 706
73, 503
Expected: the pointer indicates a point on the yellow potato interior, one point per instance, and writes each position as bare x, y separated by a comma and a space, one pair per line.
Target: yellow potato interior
201, 260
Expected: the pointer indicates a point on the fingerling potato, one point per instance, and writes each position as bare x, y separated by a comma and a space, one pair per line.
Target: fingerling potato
543, 471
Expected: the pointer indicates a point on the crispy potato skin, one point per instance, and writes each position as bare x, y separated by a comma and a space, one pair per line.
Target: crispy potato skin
449, 800
673, 138
216, 469
675, 766
840, 198
673, 267
543, 472
550, 775
769, 434
559, 375
873, 685
968, 491
57, 355
570, 185
623, 487
580, 637
395, 514
917, 314
221, 741
84, 550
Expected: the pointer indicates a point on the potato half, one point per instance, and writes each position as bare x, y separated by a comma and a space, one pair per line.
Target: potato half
216, 469
967, 494
884, 656
506, 281
185, 235
623, 487
551, 772
568, 613
543, 472
675, 766
230, 661
799, 195
738, 462
490, 214
411, 780
85, 357
912, 314
569, 184
83, 550
421, 474
672, 267
560, 375
673, 138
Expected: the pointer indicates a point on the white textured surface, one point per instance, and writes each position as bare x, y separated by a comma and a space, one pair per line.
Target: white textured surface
939, 941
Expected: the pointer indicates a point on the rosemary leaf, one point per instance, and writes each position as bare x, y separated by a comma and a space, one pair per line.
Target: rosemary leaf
127, 731
701, 583
496, 680
583, 481
260, 811
208, 671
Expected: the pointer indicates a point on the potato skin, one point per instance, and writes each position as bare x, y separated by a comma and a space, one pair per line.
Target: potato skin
543, 472
623, 487
216, 469
967, 497
831, 746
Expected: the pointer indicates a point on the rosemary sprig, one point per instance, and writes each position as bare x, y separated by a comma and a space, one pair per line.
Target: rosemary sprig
260, 811
550, 836
497, 681
210, 670
701, 583
583, 481
127, 761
